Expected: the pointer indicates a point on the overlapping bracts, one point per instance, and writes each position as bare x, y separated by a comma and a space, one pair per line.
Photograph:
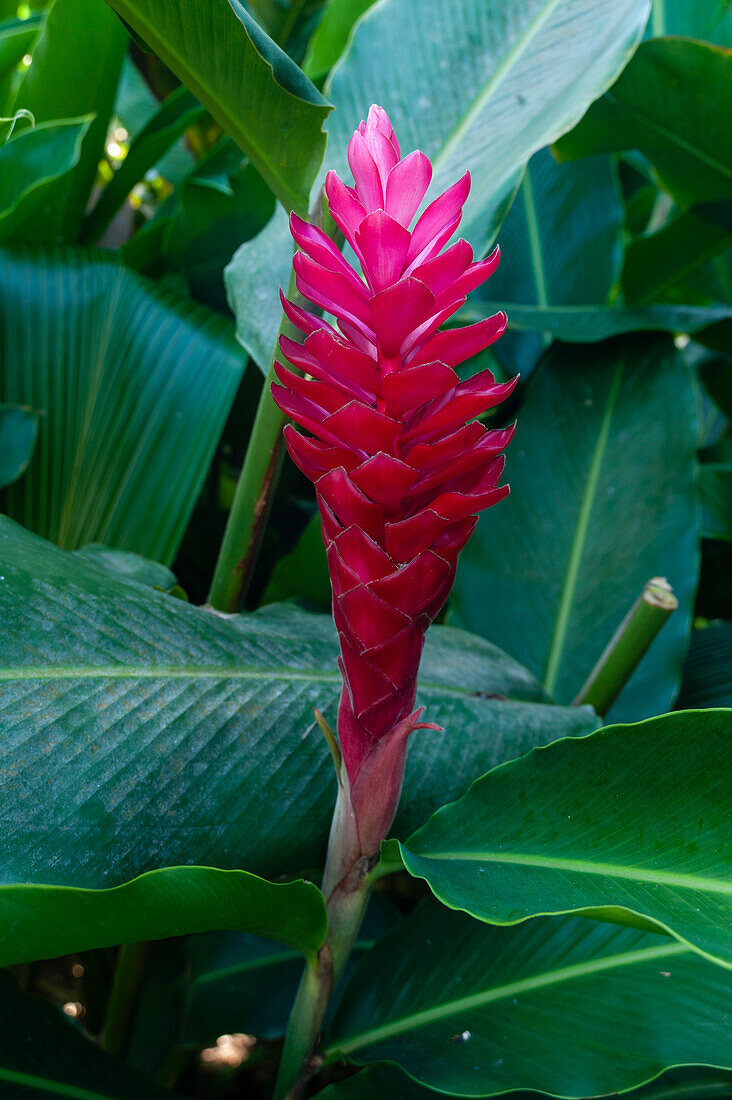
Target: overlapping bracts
400, 465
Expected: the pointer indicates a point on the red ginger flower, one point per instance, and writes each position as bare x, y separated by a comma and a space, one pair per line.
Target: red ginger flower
400, 466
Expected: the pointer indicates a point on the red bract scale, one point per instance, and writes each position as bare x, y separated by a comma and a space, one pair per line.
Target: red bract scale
400, 465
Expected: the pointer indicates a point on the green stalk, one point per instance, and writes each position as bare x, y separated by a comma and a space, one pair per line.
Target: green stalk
628, 645
123, 997
254, 492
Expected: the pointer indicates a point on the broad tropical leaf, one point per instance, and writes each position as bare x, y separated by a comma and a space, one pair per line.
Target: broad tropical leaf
659, 263
250, 86
559, 1006
715, 484
135, 382
561, 245
192, 734
671, 103
603, 498
68, 80
494, 86
706, 19
331, 35
35, 169
590, 324
707, 680
42, 922
634, 818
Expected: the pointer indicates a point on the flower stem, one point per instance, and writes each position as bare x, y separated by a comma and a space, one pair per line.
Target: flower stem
254, 494
628, 645
346, 887
123, 997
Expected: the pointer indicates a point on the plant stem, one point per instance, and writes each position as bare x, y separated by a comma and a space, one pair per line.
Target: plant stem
346, 887
123, 997
254, 493
627, 646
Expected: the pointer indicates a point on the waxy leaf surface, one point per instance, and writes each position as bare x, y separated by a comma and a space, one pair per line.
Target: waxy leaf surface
603, 498
140, 732
561, 1006
636, 818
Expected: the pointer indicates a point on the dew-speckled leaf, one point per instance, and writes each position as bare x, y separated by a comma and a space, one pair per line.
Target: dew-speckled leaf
141, 732
672, 103
135, 382
558, 1005
250, 86
602, 475
43, 1054
634, 818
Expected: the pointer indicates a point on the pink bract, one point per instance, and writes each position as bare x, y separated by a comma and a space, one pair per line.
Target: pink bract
400, 465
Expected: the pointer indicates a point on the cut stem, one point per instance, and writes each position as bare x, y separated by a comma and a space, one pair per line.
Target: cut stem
628, 645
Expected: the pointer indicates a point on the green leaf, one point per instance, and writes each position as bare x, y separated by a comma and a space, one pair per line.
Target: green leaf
561, 245
590, 324
124, 563
655, 264
244, 983
707, 19
633, 819
560, 1006
303, 573
390, 1083
66, 81
42, 921
497, 84
16, 38
602, 474
34, 170
191, 734
715, 485
494, 86
42, 1053
671, 103
18, 435
117, 363
707, 680
253, 89
179, 111
331, 35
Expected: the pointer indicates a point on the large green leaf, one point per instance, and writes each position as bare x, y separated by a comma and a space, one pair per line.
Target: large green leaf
715, 485
602, 499
43, 1054
68, 80
656, 264
707, 19
253, 89
561, 245
42, 922
589, 324
136, 383
303, 573
390, 1083
707, 680
35, 167
495, 85
141, 732
18, 435
672, 103
560, 1006
331, 35
636, 818
16, 38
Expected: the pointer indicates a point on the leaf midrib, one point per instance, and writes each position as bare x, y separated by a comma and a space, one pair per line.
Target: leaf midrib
489, 996
571, 578
640, 875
